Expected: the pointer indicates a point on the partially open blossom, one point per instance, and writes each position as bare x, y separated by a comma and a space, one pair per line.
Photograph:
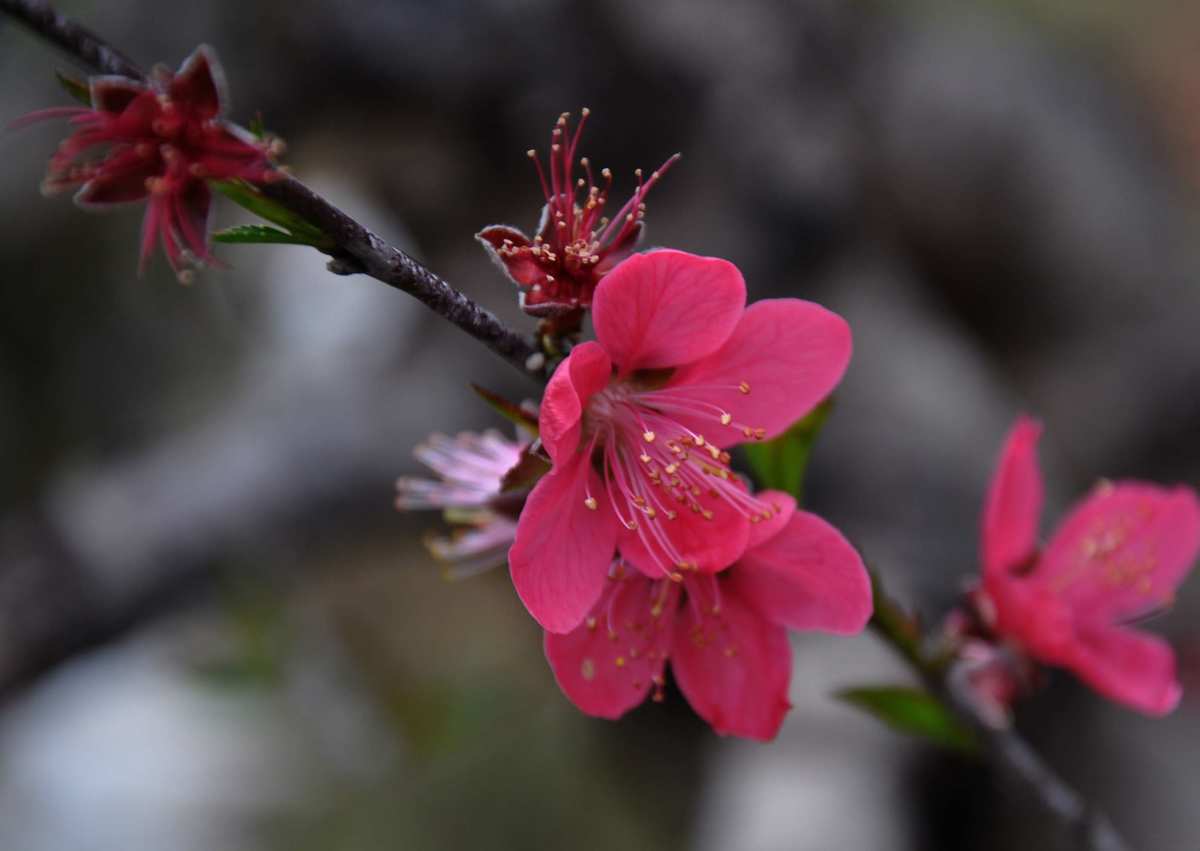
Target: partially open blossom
157, 142
576, 244
471, 468
637, 424
724, 634
1117, 557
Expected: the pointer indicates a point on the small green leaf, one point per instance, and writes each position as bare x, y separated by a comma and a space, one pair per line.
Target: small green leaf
912, 711
779, 464
257, 128
75, 88
245, 195
509, 410
259, 234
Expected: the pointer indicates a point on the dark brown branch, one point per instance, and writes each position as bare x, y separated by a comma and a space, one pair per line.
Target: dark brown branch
80, 43
358, 250
1086, 827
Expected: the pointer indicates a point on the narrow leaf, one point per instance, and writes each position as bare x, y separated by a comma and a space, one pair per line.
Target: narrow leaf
260, 234
75, 88
509, 410
245, 195
780, 464
912, 711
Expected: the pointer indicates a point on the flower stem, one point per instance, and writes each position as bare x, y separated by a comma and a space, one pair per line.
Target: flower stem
1088, 827
357, 249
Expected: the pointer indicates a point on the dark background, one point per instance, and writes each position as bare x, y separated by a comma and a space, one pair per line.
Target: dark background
195, 482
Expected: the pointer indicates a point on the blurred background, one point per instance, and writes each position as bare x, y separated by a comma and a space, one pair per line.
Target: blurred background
215, 632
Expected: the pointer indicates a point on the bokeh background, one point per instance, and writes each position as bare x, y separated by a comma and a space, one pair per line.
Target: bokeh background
215, 633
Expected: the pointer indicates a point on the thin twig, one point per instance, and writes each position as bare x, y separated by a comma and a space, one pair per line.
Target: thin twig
358, 250
1088, 826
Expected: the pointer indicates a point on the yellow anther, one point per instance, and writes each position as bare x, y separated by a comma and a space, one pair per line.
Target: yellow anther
744, 387
620, 660
648, 436
644, 458
726, 419
591, 503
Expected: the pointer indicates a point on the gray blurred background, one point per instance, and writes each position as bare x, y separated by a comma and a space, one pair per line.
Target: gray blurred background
216, 634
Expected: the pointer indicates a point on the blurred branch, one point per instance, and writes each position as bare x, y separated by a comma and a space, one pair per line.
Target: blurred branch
116, 546
1086, 827
358, 250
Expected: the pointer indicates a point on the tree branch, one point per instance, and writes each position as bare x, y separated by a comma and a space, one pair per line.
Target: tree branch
1085, 825
358, 250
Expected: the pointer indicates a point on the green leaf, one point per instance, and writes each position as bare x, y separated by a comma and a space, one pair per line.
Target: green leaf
259, 234
912, 711
509, 410
779, 464
245, 195
77, 89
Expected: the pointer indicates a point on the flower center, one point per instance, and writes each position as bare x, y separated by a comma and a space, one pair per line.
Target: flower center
655, 467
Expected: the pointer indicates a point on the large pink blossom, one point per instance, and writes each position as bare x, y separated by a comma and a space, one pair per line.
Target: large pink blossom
637, 424
575, 245
1118, 556
724, 634
157, 142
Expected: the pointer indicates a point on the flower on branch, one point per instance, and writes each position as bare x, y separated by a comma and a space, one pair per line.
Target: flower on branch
158, 142
576, 245
472, 496
1117, 557
724, 634
637, 425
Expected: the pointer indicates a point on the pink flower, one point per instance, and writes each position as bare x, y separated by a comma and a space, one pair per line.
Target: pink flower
637, 423
575, 245
725, 634
471, 468
1118, 556
157, 142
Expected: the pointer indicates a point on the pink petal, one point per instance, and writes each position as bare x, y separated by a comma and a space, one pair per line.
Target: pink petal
666, 308
1129, 667
191, 209
764, 530
1123, 551
1014, 502
152, 227
789, 353
608, 664
584, 373
119, 182
807, 577
112, 93
520, 267
733, 666
199, 83
707, 544
563, 549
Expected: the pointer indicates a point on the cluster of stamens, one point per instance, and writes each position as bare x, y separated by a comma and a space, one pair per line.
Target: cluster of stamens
576, 244
639, 643
654, 467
